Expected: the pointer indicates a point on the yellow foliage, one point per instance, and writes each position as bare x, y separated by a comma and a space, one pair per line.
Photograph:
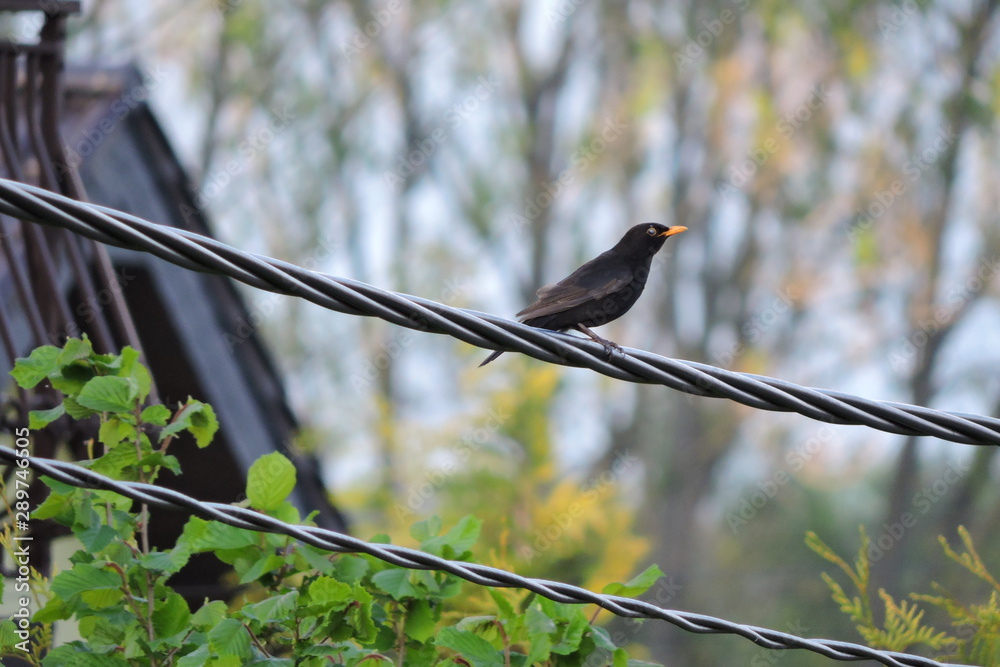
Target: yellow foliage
499, 466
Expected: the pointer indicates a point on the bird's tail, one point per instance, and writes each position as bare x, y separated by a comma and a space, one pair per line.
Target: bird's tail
491, 358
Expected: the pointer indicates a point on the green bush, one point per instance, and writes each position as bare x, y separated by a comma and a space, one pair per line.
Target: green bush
298, 605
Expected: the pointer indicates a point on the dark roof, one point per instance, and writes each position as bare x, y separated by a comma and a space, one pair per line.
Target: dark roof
195, 329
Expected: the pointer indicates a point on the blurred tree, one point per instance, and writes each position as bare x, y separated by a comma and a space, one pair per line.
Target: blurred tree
833, 161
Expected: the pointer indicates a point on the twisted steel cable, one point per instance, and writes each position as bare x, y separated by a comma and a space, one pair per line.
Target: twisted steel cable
482, 575
200, 253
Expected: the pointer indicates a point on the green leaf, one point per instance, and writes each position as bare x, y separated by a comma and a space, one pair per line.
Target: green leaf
75, 410
29, 371
328, 592
107, 393
359, 615
171, 616
79, 654
200, 657
472, 647
421, 620
209, 615
424, 530
456, 542
161, 460
96, 537
503, 604
103, 599
113, 431
464, 534
270, 480
56, 609
71, 378
273, 662
197, 418
538, 623
541, 650
166, 562
200, 535
8, 636
116, 461
83, 578
264, 564
602, 639
229, 637
226, 661
58, 506
572, 634
319, 560
395, 582
637, 585
328, 651
75, 349
42, 418
157, 415
349, 569
57, 486
135, 371
277, 609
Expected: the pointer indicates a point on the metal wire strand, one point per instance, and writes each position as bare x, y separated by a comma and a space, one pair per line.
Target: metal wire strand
201, 253
482, 575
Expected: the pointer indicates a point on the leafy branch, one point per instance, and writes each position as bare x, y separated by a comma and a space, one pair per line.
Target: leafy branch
297, 605
976, 643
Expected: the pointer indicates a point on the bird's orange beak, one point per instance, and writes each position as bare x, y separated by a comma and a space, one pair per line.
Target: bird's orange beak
673, 230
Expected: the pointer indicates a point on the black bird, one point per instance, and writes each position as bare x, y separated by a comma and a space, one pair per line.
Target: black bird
601, 290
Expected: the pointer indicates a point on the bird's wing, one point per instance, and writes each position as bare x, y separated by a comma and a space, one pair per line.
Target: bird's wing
593, 281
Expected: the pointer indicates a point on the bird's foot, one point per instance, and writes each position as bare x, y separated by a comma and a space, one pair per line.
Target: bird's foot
610, 347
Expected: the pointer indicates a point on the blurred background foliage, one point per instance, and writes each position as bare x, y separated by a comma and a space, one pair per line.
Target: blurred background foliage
836, 163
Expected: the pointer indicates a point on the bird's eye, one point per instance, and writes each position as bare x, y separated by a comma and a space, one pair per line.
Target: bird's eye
651, 231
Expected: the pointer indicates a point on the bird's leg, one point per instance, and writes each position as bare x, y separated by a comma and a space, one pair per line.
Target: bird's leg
609, 346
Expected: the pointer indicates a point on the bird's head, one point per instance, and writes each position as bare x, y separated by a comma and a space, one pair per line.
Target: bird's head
646, 238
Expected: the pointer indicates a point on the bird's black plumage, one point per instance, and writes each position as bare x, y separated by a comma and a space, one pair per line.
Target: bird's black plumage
601, 290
